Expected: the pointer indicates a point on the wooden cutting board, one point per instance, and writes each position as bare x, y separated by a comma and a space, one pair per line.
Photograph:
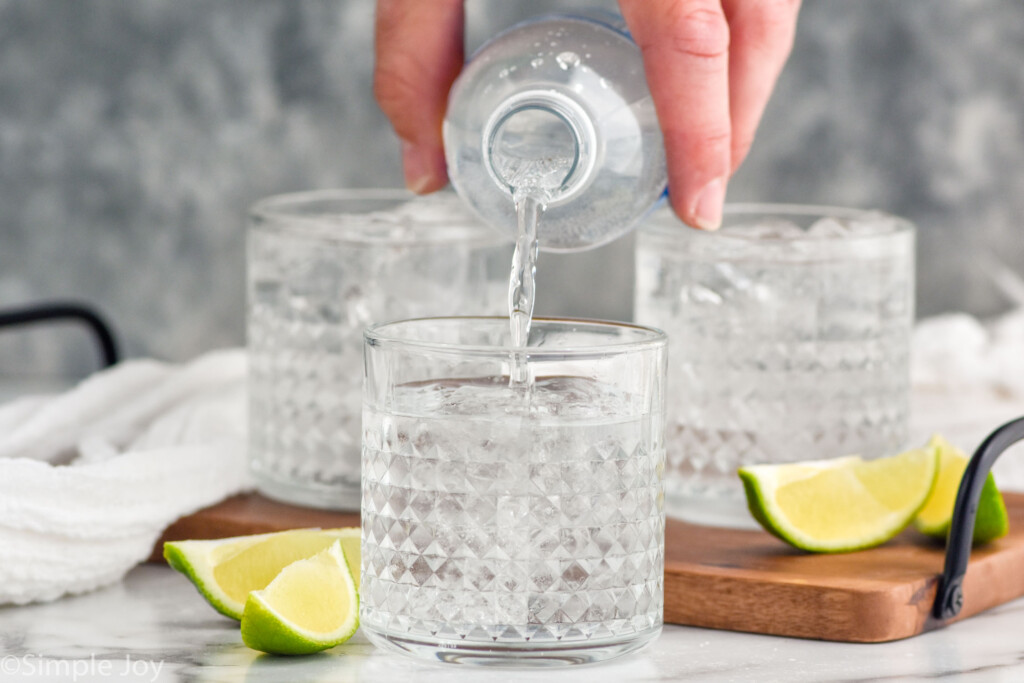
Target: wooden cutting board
746, 580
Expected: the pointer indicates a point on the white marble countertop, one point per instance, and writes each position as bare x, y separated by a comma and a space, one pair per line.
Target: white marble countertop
155, 627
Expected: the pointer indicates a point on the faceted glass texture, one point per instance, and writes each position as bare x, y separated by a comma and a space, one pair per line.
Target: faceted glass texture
509, 524
321, 267
789, 334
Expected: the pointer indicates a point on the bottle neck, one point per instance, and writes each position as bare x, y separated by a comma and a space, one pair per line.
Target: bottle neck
541, 140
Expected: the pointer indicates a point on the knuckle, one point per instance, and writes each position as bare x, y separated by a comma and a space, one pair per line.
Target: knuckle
705, 147
770, 23
395, 92
394, 85
717, 140
700, 32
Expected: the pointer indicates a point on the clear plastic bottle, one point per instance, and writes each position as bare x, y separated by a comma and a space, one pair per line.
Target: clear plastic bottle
559, 103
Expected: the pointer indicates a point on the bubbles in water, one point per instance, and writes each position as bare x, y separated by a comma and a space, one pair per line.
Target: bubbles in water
533, 148
536, 62
567, 60
575, 397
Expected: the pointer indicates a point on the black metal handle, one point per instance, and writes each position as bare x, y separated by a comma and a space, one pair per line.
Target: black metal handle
949, 598
68, 311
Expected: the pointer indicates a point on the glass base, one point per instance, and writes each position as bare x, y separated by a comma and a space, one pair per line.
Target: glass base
731, 513
341, 498
510, 655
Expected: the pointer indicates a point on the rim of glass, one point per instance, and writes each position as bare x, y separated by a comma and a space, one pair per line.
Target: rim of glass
377, 334
281, 210
901, 226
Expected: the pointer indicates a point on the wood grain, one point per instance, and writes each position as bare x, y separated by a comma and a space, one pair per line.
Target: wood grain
746, 580
750, 581
249, 514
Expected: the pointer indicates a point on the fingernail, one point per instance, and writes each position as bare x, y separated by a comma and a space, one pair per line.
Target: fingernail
418, 165
707, 210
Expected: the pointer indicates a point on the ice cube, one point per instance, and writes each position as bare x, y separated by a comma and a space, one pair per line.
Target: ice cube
730, 282
420, 216
829, 228
873, 223
699, 294
765, 229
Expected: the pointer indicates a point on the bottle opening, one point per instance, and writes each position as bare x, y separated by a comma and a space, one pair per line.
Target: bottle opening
537, 141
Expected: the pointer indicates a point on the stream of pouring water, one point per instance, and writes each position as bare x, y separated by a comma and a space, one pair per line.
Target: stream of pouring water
534, 152
522, 280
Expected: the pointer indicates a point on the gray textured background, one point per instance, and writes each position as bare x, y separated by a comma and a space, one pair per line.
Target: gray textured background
133, 134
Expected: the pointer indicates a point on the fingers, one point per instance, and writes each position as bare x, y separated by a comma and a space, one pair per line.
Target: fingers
761, 39
685, 45
418, 47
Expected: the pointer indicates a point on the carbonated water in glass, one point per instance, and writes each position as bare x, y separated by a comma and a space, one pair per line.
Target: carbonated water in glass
503, 526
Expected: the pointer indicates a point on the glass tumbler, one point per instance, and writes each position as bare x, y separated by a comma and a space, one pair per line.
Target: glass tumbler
321, 267
789, 331
513, 525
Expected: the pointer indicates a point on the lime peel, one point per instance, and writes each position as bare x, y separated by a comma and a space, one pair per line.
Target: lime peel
225, 570
311, 606
935, 518
843, 504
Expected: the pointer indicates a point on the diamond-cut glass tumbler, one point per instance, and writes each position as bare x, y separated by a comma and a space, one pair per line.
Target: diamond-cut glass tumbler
789, 332
513, 525
321, 267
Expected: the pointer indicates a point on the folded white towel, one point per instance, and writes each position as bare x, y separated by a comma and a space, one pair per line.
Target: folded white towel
956, 352
89, 479
968, 379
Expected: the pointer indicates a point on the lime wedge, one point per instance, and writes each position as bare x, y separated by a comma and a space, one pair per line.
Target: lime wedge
935, 517
226, 570
311, 605
842, 504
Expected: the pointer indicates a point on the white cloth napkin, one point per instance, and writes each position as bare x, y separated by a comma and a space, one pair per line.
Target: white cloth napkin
968, 379
90, 478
